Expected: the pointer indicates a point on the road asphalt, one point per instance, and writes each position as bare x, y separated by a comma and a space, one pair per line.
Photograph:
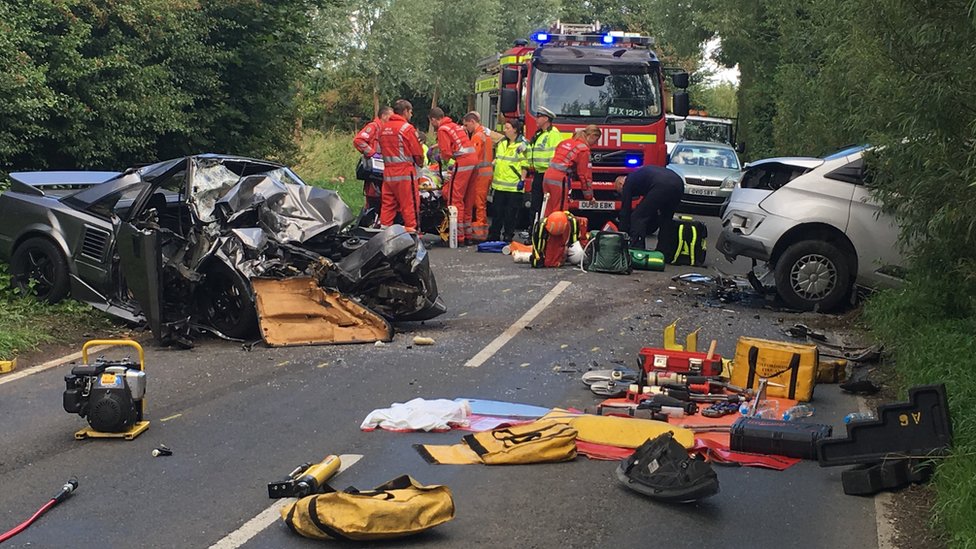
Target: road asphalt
236, 420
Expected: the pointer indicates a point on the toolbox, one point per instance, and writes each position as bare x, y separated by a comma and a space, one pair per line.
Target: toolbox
682, 362
772, 436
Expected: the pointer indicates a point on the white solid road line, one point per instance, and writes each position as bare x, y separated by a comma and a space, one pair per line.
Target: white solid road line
267, 517
50, 364
518, 326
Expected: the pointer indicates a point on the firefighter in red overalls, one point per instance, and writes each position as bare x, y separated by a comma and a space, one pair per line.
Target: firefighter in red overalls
454, 145
367, 140
401, 155
570, 161
476, 198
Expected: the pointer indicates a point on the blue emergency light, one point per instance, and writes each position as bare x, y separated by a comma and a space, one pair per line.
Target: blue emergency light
633, 160
608, 39
541, 37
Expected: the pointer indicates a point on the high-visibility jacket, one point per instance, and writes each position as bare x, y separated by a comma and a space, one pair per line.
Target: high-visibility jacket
400, 148
481, 140
510, 160
572, 159
367, 140
454, 144
542, 148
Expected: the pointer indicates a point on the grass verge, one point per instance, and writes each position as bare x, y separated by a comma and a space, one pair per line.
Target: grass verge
26, 323
328, 160
930, 348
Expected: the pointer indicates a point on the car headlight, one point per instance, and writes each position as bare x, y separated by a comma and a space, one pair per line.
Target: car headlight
729, 182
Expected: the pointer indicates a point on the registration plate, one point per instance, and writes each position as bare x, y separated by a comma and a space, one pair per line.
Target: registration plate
701, 192
596, 204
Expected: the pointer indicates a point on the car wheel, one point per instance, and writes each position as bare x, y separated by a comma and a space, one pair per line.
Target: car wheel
38, 266
813, 275
224, 299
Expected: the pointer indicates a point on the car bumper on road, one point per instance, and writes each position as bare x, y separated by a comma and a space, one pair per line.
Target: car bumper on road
732, 244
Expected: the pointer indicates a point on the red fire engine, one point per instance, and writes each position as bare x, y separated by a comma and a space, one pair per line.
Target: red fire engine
587, 76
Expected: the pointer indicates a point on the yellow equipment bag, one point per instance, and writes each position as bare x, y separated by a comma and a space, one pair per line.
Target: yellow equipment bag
627, 432
536, 442
398, 508
792, 365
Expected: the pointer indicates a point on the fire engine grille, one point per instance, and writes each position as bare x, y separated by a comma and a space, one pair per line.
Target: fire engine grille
610, 159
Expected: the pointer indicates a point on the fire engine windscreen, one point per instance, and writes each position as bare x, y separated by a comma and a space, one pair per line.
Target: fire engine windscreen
617, 93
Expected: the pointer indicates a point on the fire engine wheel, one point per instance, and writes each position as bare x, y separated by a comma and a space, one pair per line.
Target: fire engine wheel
813, 275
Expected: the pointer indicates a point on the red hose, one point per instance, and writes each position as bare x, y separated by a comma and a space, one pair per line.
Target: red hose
23, 525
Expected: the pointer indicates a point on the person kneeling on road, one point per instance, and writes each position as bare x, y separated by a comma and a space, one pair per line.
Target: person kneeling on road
660, 191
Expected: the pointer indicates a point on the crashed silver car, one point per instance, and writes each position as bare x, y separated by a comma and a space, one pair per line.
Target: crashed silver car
180, 244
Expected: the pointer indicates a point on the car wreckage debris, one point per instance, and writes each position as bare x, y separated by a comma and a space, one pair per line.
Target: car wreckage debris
182, 240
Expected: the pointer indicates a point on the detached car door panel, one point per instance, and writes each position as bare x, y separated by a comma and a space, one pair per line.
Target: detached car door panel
141, 263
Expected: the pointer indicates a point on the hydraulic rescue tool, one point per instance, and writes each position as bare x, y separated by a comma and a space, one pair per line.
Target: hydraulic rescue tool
306, 479
110, 394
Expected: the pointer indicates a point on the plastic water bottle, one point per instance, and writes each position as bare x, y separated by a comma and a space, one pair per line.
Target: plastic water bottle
859, 416
797, 412
766, 409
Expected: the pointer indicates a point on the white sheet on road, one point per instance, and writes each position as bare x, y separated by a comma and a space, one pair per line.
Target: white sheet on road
419, 415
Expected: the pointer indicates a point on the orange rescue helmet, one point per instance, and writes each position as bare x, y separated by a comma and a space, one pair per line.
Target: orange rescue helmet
557, 224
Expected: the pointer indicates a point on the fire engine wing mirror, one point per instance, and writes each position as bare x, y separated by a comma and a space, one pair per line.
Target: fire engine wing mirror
740, 147
509, 101
510, 76
680, 79
679, 103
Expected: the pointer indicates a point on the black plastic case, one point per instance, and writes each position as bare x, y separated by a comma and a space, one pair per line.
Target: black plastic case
781, 438
919, 428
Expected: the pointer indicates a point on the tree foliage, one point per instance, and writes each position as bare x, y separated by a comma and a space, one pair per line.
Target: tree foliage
96, 83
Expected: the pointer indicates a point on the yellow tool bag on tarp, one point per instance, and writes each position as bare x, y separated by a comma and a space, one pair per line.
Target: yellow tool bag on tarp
536, 442
400, 507
792, 365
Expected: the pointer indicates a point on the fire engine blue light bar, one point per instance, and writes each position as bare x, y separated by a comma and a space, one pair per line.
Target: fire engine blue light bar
607, 39
633, 161
541, 37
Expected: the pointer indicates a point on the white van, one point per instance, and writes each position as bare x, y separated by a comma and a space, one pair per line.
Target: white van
812, 229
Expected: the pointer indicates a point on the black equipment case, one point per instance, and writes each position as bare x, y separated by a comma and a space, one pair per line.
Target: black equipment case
783, 438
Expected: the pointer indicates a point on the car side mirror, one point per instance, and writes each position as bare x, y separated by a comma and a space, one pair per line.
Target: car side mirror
508, 103
679, 103
680, 79
510, 76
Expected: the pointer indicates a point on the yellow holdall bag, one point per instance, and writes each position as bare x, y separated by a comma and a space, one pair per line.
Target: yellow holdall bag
792, 365
400, 507
542, 441
536, 442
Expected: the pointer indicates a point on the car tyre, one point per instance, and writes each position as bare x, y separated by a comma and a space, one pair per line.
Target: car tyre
813, 275
227, 304
40, 260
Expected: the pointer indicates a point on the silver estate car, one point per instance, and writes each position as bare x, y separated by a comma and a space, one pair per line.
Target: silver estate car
812, 229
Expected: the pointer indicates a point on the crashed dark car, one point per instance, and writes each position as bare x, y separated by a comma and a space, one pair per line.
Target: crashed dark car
176, 244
